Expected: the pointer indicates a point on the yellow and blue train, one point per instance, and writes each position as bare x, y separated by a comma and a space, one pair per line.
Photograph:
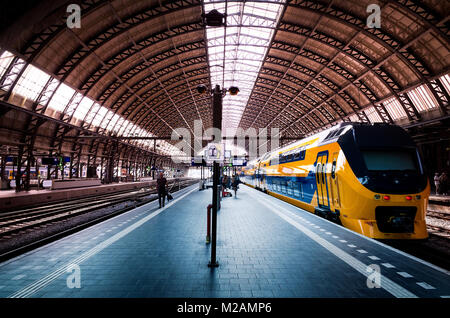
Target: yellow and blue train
369, 178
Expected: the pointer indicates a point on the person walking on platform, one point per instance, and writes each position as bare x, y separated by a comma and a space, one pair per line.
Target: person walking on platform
161, 184
225, 181
437, 183
235, 185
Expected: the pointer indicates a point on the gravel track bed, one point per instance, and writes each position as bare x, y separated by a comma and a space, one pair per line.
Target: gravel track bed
23, 238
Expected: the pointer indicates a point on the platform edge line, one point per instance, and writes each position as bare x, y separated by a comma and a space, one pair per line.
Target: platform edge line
41, 283
391, 287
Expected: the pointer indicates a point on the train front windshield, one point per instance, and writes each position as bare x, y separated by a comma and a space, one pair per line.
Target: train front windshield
390, 160
394, 171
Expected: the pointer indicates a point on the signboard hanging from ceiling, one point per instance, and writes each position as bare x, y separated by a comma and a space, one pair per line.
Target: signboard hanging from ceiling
215, 152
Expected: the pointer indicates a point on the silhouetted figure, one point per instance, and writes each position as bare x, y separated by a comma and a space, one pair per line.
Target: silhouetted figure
235, 185
225, 181
437, 183
161, 183
443, 182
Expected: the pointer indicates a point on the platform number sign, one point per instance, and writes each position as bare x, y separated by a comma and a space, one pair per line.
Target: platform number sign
215, 152
212, 151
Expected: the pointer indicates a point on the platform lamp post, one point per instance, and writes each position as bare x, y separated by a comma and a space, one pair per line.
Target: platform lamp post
217, 99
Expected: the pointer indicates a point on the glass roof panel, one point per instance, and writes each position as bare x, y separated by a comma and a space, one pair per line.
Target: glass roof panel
31, 83
247, 35
33, 80
61, 97
5, 60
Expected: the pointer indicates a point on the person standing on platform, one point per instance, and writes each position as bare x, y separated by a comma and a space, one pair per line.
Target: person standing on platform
225, 181
437, 183
235, 185
443, 182
161, 184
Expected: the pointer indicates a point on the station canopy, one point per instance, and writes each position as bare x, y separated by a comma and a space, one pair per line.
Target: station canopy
132, 67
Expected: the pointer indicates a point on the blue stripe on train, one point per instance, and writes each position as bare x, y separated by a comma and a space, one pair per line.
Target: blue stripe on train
298, 188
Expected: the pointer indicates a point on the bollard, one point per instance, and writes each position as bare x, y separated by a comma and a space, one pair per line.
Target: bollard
208, 225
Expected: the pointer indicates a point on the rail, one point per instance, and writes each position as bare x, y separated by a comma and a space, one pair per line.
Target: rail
22, 222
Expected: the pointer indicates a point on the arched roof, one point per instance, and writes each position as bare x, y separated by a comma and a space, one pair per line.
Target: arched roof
320, 64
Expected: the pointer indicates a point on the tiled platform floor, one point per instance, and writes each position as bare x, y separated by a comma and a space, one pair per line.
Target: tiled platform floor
266, 248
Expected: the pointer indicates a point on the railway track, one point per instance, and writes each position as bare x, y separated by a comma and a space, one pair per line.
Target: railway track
25, 219
438, 219
39, 225
435, 249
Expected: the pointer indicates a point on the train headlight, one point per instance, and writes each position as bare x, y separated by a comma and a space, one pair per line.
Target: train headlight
386, 198
418, 197
377, 197
408, 197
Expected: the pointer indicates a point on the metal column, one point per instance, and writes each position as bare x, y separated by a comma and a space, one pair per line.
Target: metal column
217, 123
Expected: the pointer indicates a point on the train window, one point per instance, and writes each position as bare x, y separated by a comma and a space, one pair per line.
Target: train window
331, 134
318, 172
302, 155
301, 189
340, 131
382, 160
289, 189
295, 187
333, 169
324, 170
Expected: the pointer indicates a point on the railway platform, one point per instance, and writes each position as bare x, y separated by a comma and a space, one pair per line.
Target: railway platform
265, 248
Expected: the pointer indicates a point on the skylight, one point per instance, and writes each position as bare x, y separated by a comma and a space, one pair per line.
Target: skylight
247, 36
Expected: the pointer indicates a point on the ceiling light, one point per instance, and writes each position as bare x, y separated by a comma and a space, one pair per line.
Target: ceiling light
233, 90
214, 18
201, 89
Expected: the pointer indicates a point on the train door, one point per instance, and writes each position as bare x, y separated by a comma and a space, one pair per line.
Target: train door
334, 190
321, 180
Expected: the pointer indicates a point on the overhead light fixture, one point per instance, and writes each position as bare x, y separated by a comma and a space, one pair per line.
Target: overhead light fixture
201, 89
233, 90
214, 18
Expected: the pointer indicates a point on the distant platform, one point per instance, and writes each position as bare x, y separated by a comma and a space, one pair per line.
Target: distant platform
10, 199
265, 248
444, 199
